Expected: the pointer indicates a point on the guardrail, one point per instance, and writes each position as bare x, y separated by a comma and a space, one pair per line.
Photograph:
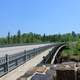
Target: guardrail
10, 62
52, 54
60, 47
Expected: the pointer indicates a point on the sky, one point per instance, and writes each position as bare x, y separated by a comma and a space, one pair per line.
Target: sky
39, 16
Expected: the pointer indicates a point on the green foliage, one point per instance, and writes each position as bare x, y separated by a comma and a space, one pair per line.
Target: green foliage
8, 37
78, 45
18, 36
72, 53
32, 38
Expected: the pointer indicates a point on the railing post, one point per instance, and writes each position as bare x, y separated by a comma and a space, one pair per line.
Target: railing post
24, 55
6, 64
16, 62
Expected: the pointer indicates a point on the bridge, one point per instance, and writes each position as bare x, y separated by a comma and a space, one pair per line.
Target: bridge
16, 61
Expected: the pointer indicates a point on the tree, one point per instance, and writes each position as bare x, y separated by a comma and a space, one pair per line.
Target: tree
8, 37
44, 38
14, 39
18, 36
73, 34
78, 45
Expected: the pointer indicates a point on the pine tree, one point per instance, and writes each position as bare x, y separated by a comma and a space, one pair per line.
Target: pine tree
8, 38
18, 36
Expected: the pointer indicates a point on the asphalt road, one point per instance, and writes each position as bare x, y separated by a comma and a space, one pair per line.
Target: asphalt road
17, 49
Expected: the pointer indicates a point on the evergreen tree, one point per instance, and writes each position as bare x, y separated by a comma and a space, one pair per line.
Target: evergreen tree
18, 36
8, 37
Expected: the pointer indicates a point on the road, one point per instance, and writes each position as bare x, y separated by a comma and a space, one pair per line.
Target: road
17, 49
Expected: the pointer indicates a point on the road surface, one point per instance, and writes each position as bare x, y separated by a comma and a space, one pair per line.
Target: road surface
17, 49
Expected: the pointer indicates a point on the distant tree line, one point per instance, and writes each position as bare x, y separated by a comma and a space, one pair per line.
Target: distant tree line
33, 38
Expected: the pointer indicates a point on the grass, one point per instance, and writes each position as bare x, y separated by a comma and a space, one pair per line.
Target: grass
71, 53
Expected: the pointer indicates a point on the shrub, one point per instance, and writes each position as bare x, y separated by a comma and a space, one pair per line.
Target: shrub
78, 45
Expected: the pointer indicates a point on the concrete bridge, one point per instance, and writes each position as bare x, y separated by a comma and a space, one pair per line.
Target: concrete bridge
20, 59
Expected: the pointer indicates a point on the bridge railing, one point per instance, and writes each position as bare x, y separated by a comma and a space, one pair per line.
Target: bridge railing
48, 59
10, 62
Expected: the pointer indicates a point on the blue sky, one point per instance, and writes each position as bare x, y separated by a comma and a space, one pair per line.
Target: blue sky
39, 16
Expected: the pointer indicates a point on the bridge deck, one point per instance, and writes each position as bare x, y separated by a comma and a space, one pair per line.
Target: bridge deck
18, 49
16, 73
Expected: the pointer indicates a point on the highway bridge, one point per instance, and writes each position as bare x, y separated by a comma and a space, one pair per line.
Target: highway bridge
15, 61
